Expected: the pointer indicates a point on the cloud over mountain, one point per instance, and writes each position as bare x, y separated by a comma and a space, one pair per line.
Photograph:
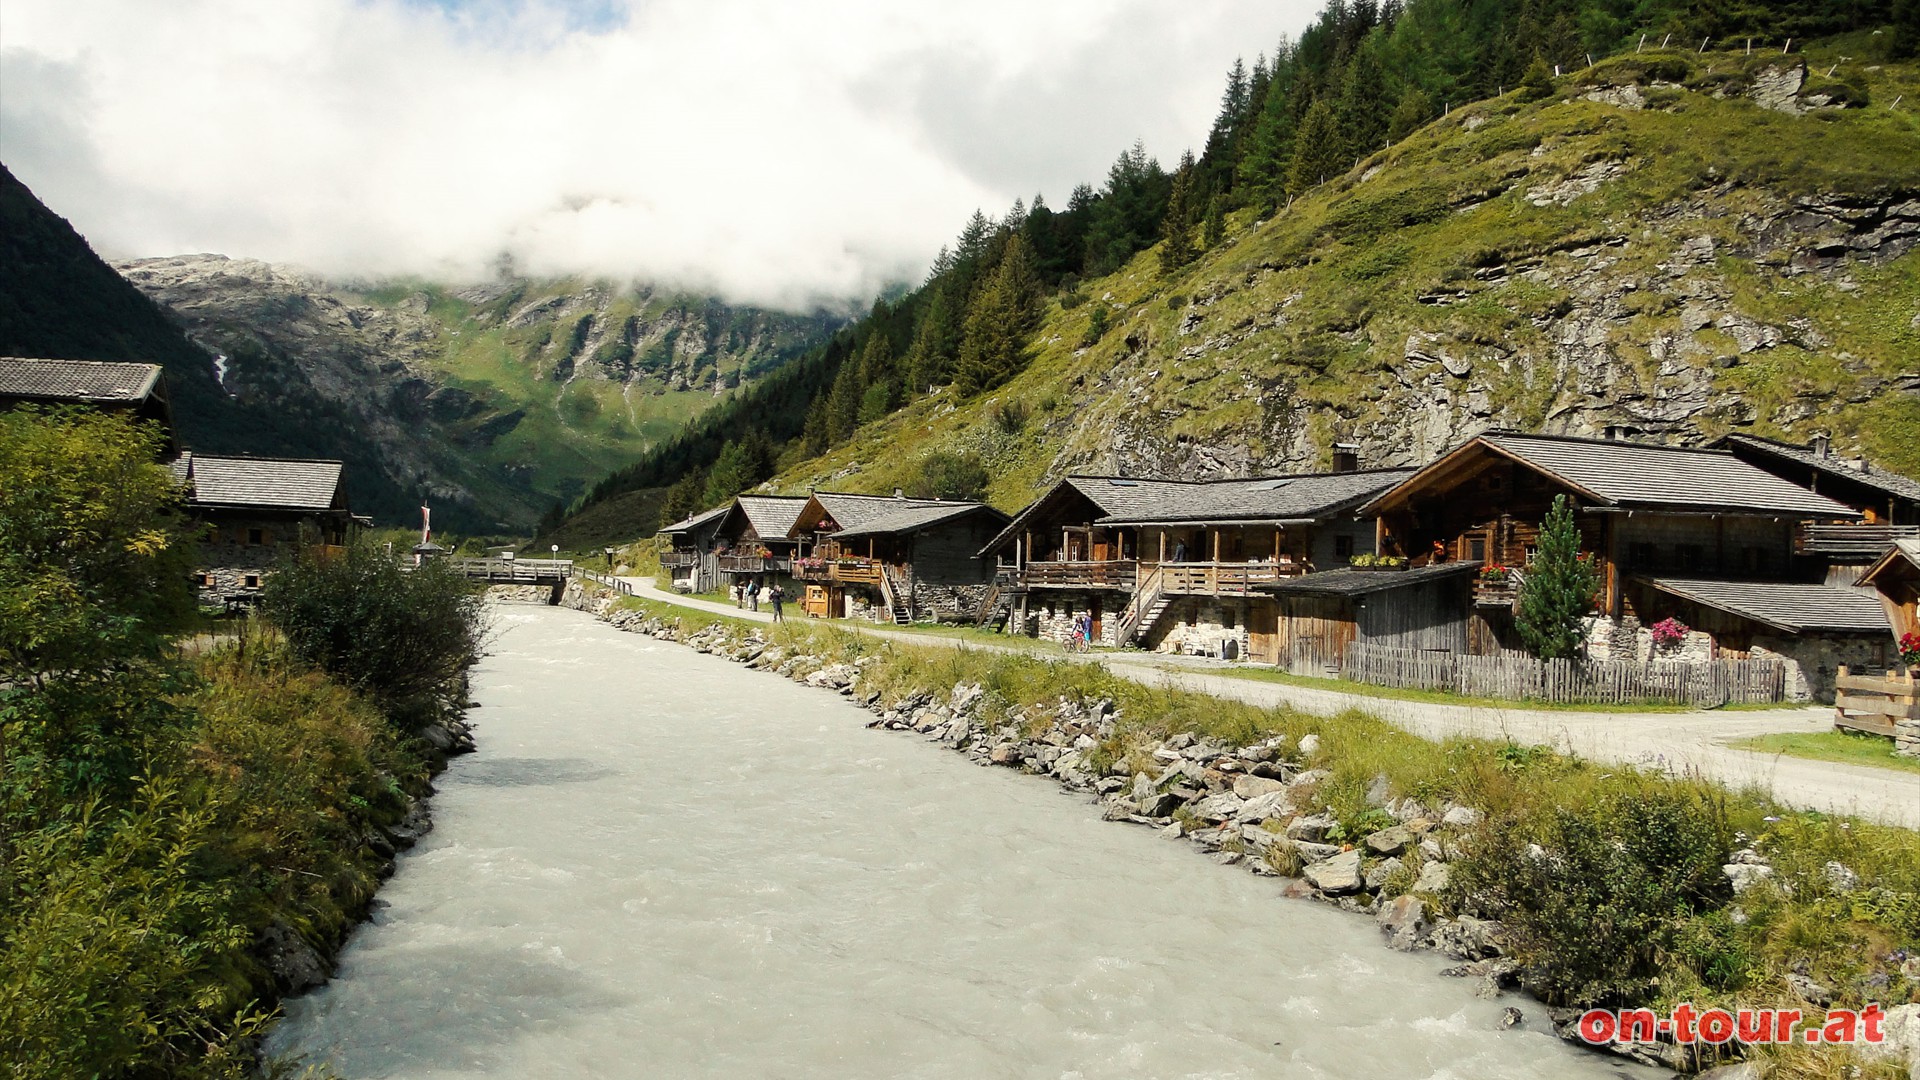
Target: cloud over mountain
781, 154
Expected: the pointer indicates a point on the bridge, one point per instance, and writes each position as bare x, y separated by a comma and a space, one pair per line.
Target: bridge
552, 573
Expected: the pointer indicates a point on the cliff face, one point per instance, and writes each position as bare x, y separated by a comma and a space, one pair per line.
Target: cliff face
1678, 246
498, 399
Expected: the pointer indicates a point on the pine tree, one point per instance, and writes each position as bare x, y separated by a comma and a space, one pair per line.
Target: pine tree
1262, 172
1127, 218
1215, 229
684, 497
1537, 83
1363, 110
930, 359
1412, 113
843, 401
814, 432
998, 323
1317, 153
1176, 230
1558, 591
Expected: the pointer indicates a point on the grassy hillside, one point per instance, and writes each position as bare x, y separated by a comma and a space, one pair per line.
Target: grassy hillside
1649, 246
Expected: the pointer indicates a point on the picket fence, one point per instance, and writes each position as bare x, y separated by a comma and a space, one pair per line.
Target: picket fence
1518, 677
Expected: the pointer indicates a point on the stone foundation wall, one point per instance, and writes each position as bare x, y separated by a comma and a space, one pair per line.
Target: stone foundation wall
1052, 619
948, 603
1196, 625
1813, 660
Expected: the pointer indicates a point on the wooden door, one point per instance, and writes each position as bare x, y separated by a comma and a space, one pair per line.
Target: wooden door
1094, 622
1263, 632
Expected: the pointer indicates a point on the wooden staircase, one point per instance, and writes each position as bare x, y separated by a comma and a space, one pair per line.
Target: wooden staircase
898, 596
995, 608
1150, 601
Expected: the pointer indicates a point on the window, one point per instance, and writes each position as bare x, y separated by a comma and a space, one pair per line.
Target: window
1226, 619
1476, 549
1342, 548
253, 581
206, 580
256, 536
1532, 551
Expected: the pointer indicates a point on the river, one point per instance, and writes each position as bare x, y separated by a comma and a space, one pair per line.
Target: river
661, 864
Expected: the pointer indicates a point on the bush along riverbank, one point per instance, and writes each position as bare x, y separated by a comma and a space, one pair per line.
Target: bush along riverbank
186, 834
1539, 874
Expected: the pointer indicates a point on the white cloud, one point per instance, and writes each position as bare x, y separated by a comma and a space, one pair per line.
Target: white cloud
779, 153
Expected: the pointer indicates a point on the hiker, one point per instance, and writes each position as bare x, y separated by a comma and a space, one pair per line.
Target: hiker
775, 594
753, 597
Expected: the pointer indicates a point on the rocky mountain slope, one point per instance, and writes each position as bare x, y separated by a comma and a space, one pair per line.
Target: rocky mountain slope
496, 400
1675, 244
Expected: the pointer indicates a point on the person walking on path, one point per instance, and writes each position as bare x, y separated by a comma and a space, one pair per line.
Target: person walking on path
776, 594
753, 596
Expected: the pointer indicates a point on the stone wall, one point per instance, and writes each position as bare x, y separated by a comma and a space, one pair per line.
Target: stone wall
1196, 625
1052, 618
948, 603
1813, 660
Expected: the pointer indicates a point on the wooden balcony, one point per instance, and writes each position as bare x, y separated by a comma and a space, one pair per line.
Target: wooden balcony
1088, 574
1849, 541
753, 564
1224, 578
1496, 594
845, 571
680, 560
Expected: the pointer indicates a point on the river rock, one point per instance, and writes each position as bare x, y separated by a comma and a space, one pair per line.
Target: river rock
1312, 828
294, 964
1433, 877
1312, 853
1467, 938
1272, 804
1839, 878
1745, 876
1464, 817
1337, 875
1221, 807
1403, 922
1158, 803
1390, 841
1379, 873
1252, 787
1309, 744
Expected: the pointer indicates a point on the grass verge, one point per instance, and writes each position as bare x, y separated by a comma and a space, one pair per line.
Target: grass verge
1847, 747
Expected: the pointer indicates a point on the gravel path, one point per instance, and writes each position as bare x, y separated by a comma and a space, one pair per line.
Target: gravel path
1684, 742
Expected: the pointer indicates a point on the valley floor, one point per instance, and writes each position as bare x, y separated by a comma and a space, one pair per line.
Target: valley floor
1696, 742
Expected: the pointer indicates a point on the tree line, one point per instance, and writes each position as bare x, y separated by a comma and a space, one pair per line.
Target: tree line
1364, 75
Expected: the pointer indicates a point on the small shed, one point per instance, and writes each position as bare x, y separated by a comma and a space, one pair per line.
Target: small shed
1314, 618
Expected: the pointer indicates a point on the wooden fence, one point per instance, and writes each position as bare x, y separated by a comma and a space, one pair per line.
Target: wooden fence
1878, 705
1517, 677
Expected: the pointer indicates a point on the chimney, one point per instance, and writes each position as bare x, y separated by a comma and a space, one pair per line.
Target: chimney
1346, 457
1616, 433
899, 493
1822, 445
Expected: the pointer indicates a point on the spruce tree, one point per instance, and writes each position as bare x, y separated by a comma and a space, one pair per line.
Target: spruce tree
1412, 113
1557, 592
998, 323
1215, 229
930, 359
1176, 230
1364, 106
1317, 152
843, 401
1537, 83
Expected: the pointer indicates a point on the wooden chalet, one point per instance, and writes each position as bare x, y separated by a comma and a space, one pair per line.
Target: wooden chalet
1700, 536
138, 389
1888, 504
690, 550
1895, 580
257, 512
1178, 565
753, 544
894, 559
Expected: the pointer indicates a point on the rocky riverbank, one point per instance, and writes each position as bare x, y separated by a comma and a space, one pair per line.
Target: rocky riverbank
1253, 806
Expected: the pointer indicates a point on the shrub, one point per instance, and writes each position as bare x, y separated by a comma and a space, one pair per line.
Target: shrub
403, 637
945, 475
1595, 896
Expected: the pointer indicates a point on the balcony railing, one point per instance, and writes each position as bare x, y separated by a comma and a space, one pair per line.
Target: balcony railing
1224, 578
679, 560
1496, 594
848, 571
1860, 541
1082, 574
753, 564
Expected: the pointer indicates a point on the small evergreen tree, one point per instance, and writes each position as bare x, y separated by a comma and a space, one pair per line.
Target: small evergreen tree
1317, 151
1413, 111
1176, 230
998, 323
843, 401
1215, 228
1558, 591
1537, 83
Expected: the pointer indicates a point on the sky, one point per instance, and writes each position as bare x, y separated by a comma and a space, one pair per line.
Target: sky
785, 154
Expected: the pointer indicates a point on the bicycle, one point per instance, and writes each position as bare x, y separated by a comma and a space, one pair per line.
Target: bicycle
1080, 642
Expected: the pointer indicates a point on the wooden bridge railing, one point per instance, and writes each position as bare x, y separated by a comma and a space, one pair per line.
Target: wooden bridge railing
1878, 705
526, 571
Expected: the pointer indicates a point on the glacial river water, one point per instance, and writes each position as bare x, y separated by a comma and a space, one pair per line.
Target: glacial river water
660, 864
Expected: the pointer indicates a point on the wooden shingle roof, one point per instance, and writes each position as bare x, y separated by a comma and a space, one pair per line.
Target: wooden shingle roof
1858, 472
1630, 475
264, 483
91, 381
772, 516
1788, 606
704, 517
879, 515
